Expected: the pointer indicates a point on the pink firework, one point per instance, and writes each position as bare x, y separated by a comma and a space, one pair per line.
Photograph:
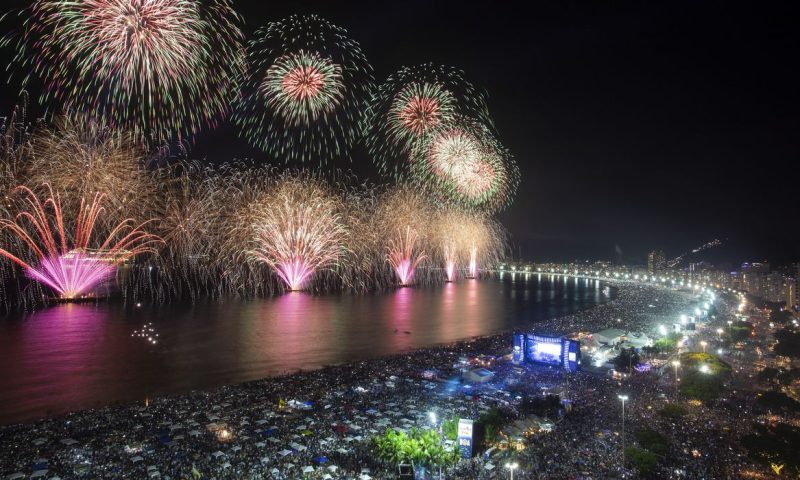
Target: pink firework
299, 232
71, 275
403, 257
450, 262
473, 261
69, 265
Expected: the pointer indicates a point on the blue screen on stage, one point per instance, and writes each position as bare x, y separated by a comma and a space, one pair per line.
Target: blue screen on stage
542, 349
554, 351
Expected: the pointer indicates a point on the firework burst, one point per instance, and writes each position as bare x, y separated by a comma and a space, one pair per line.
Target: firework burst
303, 87
411, 106
466, 166
161, 68
304, 91
69, 264
299, 231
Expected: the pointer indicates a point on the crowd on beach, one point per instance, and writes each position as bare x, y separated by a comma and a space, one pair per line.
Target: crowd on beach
318, 424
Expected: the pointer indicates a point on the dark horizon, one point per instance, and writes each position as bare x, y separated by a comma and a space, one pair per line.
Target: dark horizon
636, 126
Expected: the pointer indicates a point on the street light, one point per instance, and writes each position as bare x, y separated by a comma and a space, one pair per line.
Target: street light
623, 398
703, 344
511, 467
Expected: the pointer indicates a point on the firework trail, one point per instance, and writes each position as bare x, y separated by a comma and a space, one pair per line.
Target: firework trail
485, 240
15, 151
452, 232
77, 158
304, 91
412, 105
161, 68
403, 255
405, 219
192, 205
300, 231
243, 193
67, 264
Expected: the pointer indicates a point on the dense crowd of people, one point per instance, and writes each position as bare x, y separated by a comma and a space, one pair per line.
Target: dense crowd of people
319, 424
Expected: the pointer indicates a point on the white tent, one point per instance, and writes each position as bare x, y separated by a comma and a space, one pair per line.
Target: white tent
333, 468
137, 459
15, 476
68, 441
284, 452
39, 474
489, 466
217, 454
226, 465
308, 469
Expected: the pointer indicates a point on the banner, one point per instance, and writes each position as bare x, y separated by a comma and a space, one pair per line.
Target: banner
465, 437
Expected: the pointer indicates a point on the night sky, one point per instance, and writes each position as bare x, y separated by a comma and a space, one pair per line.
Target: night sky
637, 125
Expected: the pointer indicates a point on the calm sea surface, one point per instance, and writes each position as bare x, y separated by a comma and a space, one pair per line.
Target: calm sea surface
78, 356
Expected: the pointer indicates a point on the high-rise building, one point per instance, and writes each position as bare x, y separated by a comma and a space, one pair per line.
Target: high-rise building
656, 262
790, 292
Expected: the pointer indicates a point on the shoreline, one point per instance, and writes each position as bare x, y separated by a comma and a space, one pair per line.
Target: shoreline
460, 346
56, 413
332, 413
